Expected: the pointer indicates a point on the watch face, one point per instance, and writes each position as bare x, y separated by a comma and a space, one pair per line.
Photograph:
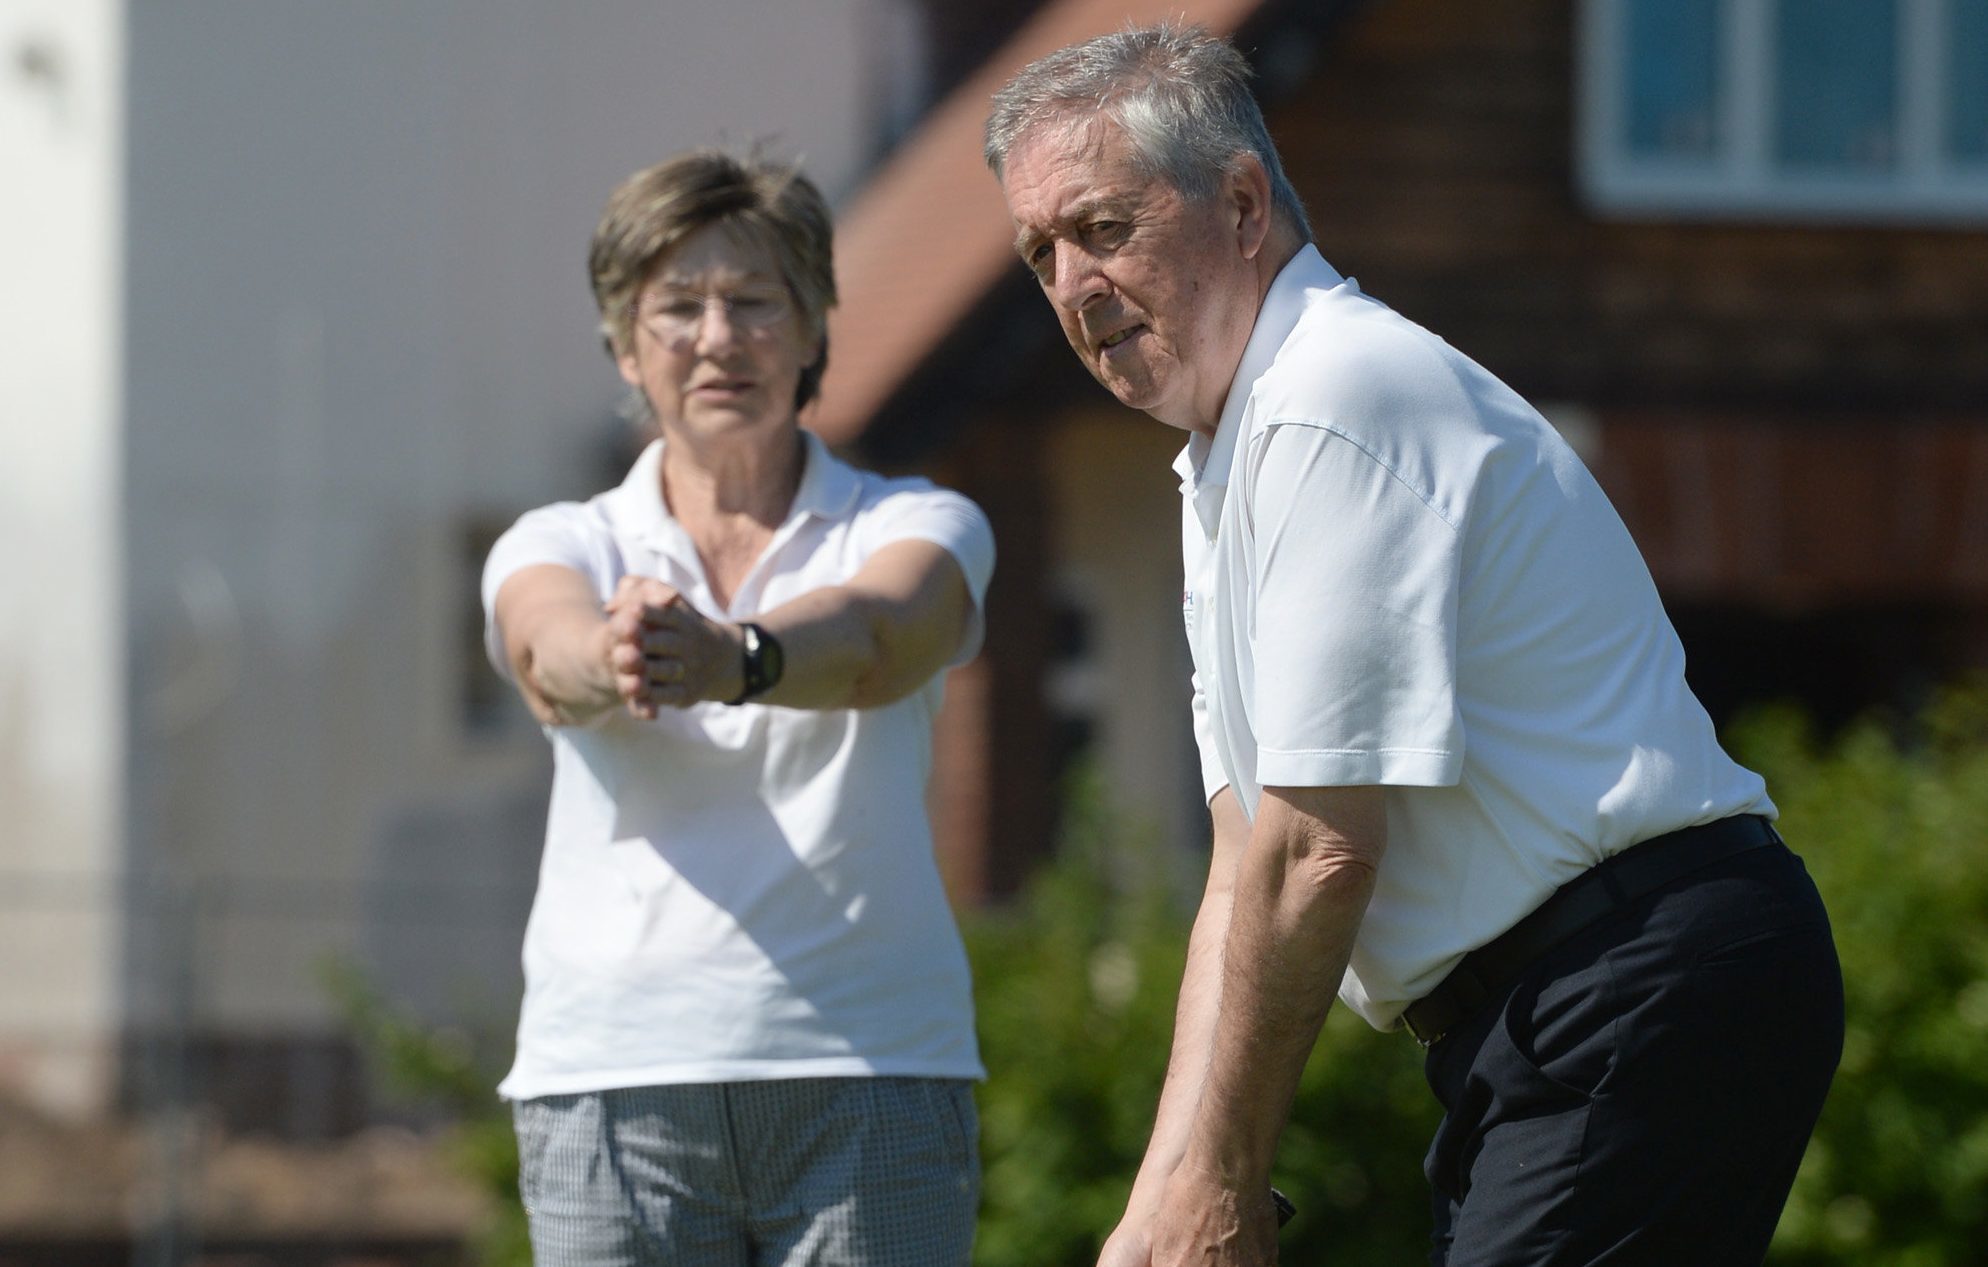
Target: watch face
763, 661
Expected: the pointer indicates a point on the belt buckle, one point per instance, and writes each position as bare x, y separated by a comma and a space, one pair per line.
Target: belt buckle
1425, 1042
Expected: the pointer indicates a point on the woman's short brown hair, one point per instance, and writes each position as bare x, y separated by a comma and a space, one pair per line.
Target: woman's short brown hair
763, 204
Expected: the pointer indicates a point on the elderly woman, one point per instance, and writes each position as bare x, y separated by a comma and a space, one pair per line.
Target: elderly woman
747, 1034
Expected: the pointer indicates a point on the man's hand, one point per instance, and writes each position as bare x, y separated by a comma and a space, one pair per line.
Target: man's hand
1202, 1222
664, 653
1127, 1246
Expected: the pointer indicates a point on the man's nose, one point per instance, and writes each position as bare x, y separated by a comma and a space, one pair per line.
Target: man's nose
1079, 279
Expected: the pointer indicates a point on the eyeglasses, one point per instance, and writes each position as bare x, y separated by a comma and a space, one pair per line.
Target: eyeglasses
676, 316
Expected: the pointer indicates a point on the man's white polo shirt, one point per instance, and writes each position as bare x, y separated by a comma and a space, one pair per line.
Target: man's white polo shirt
1398, 574
749, 892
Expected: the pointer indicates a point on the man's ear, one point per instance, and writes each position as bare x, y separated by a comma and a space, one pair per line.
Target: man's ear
1249, 200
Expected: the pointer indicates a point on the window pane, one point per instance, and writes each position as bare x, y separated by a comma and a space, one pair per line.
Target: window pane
1672, 57
1967, 79
1836, 71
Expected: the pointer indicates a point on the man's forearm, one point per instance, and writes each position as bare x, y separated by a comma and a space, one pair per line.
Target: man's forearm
1193, 1039
1301, 890
1195, 1013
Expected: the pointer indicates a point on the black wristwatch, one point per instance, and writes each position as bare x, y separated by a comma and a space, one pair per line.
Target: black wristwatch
762, 661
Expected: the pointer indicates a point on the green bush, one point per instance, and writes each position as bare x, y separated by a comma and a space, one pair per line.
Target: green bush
449, 1072
1893, 824
1075, 986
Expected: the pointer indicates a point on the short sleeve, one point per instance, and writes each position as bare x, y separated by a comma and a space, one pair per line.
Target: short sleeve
1213, 777
953, 523
559, 534
1353, 620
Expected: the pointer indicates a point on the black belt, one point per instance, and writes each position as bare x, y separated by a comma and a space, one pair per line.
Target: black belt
1604, 888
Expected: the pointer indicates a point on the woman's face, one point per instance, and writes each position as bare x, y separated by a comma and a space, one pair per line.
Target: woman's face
719, 342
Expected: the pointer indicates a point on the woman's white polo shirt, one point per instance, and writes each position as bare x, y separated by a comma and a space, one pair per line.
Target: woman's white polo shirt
749, 892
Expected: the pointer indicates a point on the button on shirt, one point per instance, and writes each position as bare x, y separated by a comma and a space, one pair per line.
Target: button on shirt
1398, 574
743, 892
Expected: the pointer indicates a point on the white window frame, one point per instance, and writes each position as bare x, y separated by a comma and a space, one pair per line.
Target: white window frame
1742, 181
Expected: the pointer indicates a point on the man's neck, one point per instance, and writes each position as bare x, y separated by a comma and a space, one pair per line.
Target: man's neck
1280, 247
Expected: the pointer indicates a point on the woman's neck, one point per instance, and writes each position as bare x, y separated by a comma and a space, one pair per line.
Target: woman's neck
751, 478
730, 500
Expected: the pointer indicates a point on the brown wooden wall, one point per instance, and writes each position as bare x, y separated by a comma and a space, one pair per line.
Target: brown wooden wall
1433, 143
993, 793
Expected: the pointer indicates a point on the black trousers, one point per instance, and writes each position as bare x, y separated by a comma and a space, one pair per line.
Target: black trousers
1644, 1093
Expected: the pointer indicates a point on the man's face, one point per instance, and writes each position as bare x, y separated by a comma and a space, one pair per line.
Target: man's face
1154, 292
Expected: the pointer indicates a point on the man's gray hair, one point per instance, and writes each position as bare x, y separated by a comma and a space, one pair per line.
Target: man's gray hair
1180, 95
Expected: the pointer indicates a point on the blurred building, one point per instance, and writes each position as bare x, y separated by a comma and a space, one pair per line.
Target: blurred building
297, 319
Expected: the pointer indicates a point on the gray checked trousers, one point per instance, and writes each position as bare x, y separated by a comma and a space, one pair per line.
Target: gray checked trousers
806, 1172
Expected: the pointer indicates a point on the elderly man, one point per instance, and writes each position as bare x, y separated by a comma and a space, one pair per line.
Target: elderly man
1454, 770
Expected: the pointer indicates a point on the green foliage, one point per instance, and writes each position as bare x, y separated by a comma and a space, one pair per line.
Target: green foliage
444, 1068
1076, 990
1075, 987
1894, 828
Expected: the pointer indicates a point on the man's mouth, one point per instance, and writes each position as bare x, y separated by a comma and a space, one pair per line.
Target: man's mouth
1117, 337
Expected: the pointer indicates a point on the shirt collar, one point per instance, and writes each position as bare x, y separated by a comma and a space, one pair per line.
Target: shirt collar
636, 506
1203, 466
829, 488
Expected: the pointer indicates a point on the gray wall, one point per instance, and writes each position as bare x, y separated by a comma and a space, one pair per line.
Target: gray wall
355, 331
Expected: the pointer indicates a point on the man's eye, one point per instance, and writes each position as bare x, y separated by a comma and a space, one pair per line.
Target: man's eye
753, 307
